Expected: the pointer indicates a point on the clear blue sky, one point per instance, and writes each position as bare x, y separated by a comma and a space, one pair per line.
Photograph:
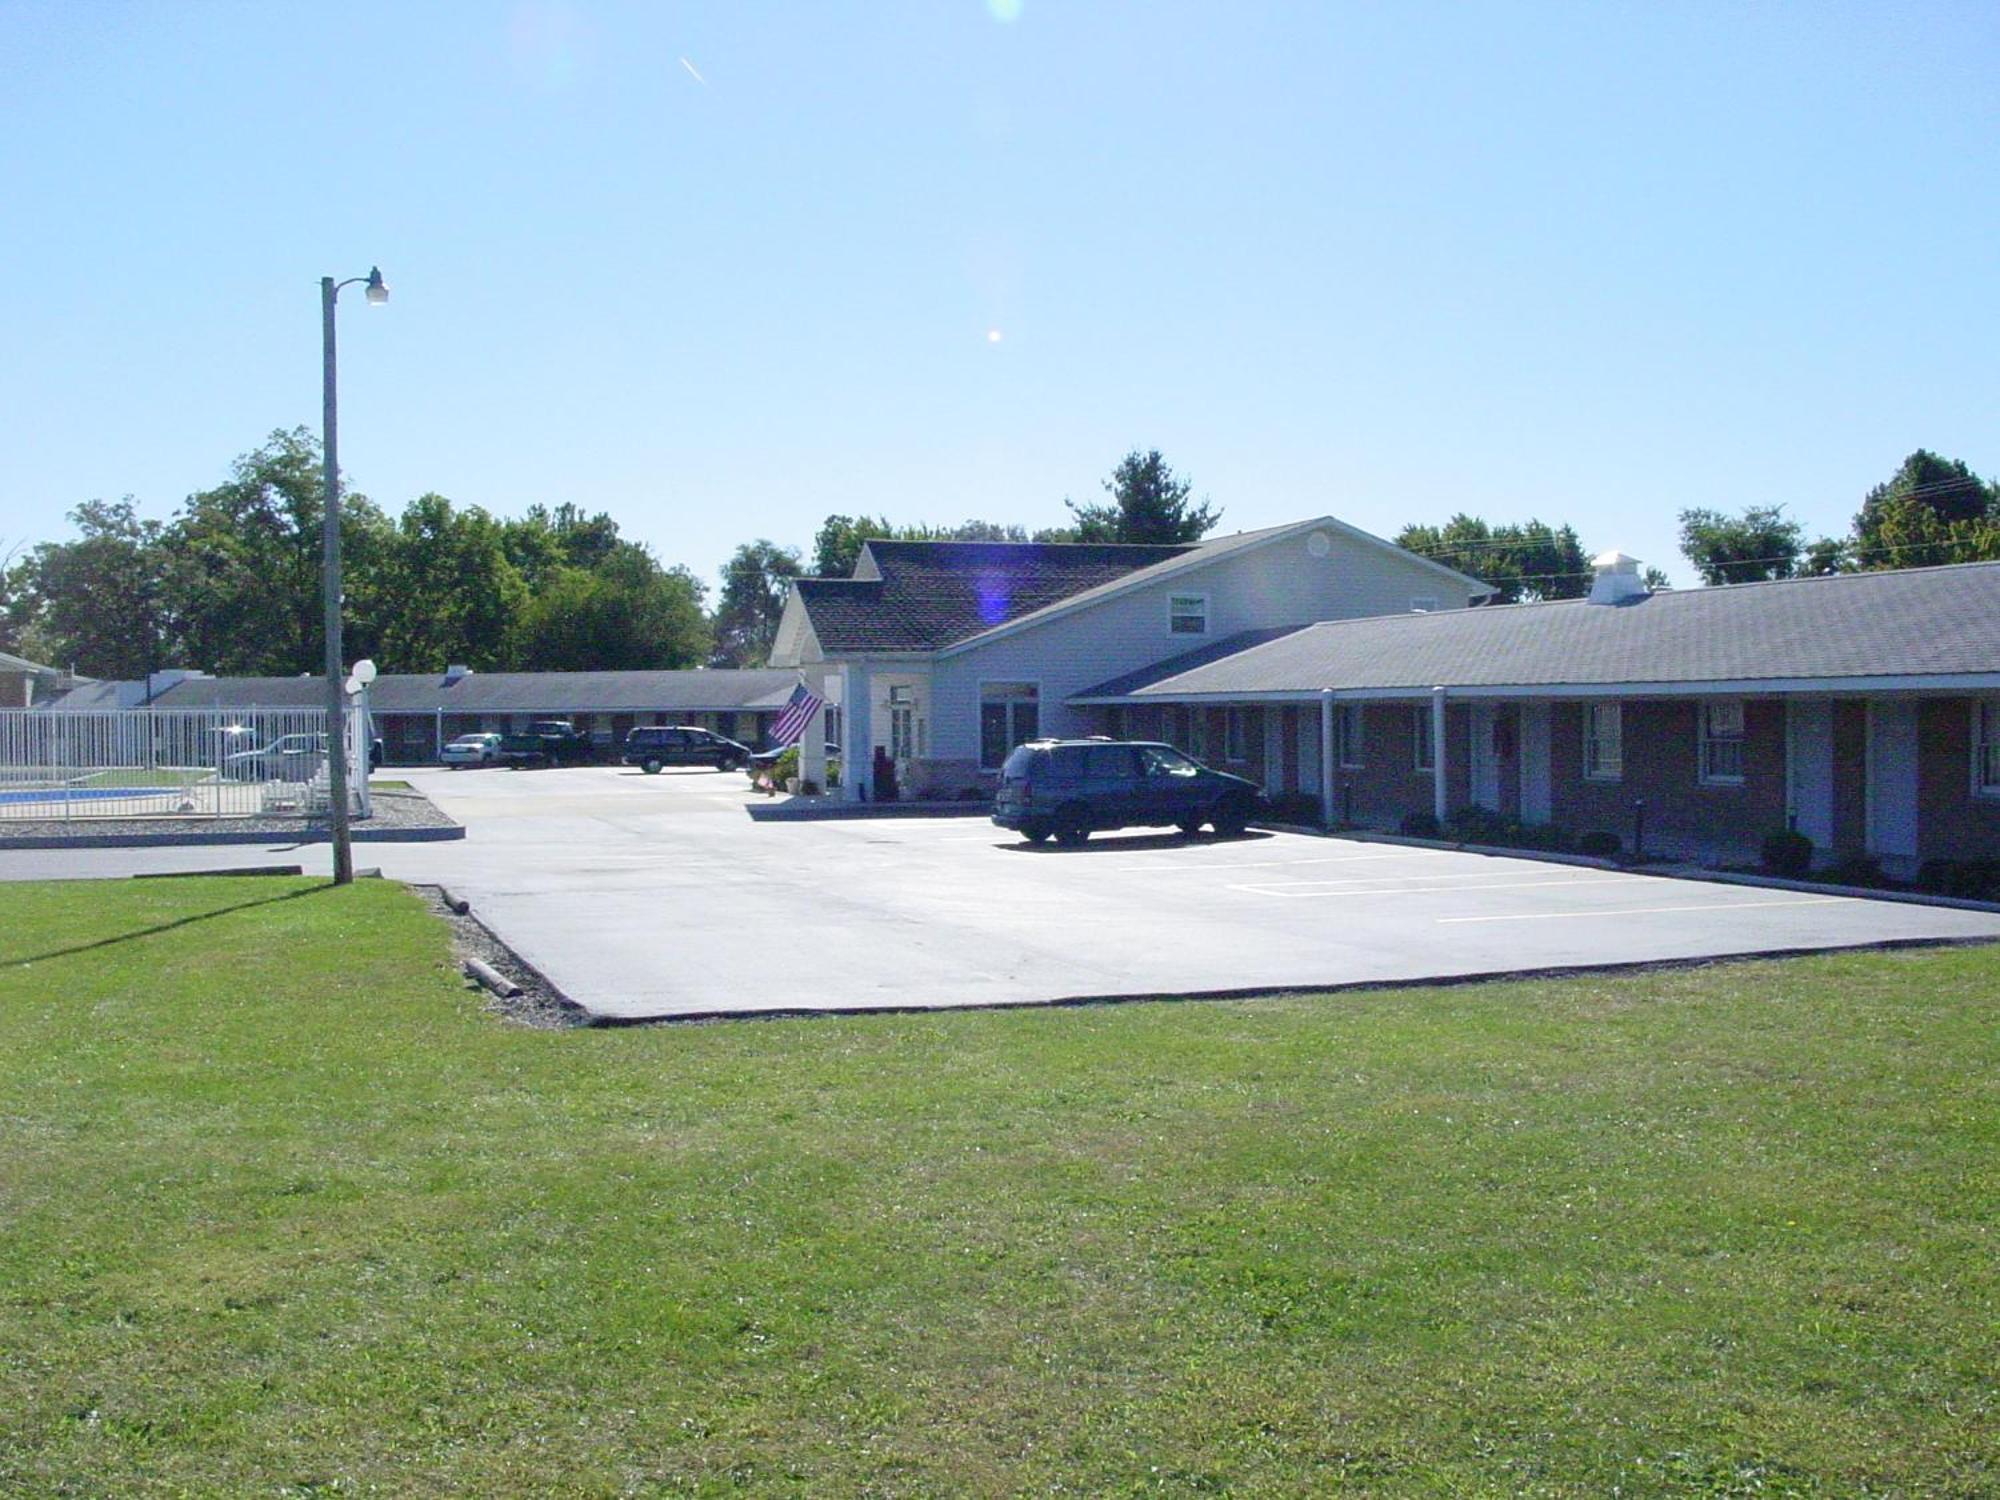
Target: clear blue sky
1593, 263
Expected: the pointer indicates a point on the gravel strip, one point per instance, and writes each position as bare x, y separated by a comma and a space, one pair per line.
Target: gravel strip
540, 1004
395, 813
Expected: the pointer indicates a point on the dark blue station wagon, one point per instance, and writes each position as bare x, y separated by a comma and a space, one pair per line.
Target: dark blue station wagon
1069, 788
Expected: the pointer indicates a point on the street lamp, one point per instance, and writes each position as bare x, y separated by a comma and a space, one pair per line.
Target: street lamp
336, 688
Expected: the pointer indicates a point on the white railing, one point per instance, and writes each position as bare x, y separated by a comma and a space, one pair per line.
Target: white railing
73, 766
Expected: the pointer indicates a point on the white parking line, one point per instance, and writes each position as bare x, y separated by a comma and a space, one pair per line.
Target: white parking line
1647, 911
1334, 887
1255, 864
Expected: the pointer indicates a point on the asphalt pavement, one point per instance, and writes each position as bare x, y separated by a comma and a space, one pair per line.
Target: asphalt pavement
656, 896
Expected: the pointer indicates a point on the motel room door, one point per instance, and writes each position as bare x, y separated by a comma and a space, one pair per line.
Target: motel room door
1485, 764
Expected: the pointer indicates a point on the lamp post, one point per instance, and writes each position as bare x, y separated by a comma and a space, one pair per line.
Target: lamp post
336, 687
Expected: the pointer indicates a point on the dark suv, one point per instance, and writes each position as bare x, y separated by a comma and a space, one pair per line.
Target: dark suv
1070, 787
652, 746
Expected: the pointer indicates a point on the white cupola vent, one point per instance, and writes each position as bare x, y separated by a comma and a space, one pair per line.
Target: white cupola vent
455, 671
1617, 579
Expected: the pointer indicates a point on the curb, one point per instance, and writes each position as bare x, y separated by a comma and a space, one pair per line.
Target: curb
289, 837
1665, 870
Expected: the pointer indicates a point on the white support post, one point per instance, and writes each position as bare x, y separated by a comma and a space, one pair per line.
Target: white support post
1326, 757
857, 718
812, 746
1440, 798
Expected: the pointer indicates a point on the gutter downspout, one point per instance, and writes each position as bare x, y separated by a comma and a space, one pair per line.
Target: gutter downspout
1440, 801
1326, 758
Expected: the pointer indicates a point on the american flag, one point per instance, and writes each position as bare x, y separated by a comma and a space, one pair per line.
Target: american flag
797, 713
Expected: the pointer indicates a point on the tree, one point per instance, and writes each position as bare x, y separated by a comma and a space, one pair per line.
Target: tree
1530, 561
447, 591
1759, 544
99, 602
247, 558
1932, 510
626, 614
755, 582
1149, 503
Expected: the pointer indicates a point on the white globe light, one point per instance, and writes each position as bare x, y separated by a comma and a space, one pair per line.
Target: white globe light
364, 671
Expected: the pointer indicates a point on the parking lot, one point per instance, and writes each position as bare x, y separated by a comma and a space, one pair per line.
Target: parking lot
645, 897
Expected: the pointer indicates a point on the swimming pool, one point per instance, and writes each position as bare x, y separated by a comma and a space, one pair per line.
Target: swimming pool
87, 793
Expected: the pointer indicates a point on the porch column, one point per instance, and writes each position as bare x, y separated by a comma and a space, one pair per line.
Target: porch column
1440, 787
1326, 757
1274, 750
437, 737
857, 718
812, 740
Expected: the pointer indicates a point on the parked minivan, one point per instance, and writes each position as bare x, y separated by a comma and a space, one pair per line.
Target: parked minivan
652, 746
1069, 788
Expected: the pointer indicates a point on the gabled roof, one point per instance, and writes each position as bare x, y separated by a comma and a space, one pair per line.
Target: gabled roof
1214, 550
951, 596
929, 595
11, 663
506, 692
1928, 622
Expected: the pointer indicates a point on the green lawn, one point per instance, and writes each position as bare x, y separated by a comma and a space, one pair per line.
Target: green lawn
282, 1212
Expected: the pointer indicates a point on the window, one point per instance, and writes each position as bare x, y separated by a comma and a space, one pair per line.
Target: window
1721, 747
1986, 747
1009, 714
1154, 761
1187, 614
1347, 734
1425, 758
902, 722
1236, 735
1109, 763
1424, 604
1603, 742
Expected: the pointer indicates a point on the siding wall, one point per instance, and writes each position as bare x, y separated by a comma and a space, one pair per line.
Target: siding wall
1276, 585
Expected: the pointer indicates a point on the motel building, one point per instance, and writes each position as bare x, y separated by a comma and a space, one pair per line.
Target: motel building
1860, 710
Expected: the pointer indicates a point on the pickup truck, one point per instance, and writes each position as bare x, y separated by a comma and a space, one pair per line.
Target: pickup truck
548, 742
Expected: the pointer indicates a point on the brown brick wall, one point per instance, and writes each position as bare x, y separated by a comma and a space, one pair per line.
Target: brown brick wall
1952, 821
1684, 817
1387, 788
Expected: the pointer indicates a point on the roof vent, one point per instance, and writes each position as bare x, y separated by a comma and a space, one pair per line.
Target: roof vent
455, 671
1617, 579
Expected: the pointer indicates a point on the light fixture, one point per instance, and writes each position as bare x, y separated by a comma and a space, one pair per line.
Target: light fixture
377, 290
364, 671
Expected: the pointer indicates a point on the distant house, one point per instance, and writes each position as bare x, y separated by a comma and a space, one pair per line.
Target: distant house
25, 683
417, 713
943, 656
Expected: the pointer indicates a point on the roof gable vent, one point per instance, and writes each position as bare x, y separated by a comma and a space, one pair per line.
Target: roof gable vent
455, 671
1617, 579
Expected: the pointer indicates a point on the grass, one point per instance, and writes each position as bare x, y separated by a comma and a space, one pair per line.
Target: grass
286, 1214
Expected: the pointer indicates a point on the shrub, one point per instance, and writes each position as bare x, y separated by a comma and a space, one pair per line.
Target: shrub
1479, 825
1788, 853
1294, 807
1968, 879
1600, 843
1419, 825
1857, 869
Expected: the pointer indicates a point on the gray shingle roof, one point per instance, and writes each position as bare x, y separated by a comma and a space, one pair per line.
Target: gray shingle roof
934, 594
1921, 622
506, 692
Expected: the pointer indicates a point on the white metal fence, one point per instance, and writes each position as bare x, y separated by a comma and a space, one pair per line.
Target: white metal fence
58, 766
